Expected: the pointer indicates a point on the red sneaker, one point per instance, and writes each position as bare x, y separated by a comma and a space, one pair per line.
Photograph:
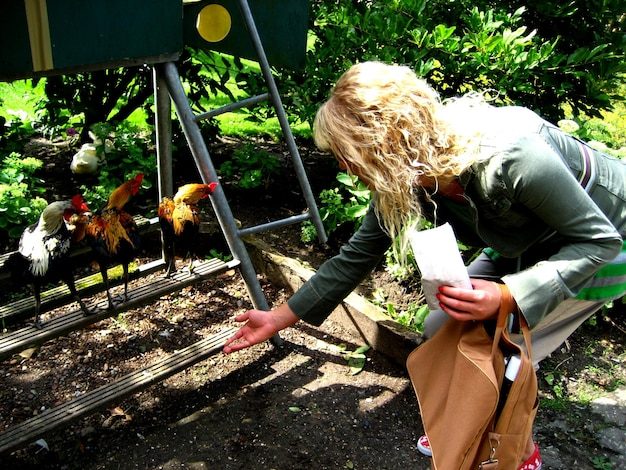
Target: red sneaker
533, 462
424, 446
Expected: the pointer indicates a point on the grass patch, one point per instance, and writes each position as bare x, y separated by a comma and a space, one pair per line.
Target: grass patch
237, 125
19, 98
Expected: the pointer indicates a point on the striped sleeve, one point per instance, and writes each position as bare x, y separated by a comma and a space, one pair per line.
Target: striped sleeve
609, 283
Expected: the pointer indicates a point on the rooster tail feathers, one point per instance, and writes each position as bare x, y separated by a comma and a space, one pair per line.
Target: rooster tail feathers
165, 209
183, 214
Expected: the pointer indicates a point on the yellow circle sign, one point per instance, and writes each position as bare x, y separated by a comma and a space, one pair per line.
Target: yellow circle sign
213, 23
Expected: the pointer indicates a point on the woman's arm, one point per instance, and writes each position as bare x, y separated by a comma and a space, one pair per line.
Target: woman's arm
319, 296
337, 277
537, 178
260, 326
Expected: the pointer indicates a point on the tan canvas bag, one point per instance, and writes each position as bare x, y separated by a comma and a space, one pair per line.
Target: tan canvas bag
457, 376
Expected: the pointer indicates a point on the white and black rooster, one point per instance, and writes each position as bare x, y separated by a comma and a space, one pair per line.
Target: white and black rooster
44, 249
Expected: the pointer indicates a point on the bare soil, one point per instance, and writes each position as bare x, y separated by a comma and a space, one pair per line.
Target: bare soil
299, 405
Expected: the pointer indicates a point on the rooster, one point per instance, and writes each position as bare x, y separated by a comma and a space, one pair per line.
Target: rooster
180, 221
44, 250
113, 234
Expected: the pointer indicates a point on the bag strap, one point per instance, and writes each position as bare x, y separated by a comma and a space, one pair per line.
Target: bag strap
588, 174
507, 305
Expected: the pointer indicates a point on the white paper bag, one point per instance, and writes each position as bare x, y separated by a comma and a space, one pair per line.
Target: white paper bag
439, 261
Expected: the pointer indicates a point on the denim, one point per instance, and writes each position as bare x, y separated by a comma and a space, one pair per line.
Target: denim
523, 200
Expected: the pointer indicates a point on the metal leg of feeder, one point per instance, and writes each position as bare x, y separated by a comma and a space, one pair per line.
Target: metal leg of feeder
218, 199
282, 119
163, 126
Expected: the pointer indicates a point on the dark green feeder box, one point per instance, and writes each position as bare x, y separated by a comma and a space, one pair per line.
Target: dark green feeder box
45, 37
282, 26
49, 37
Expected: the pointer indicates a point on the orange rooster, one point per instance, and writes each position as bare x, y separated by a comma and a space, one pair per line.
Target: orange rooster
44, 250
180, 221
113, 234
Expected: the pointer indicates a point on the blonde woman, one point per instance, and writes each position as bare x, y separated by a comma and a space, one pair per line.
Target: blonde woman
549, 210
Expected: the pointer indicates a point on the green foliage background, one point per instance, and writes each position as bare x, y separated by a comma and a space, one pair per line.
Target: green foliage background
563, 59
541, 54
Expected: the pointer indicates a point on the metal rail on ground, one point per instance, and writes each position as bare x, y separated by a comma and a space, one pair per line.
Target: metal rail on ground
22, 309
16, 341
33, 428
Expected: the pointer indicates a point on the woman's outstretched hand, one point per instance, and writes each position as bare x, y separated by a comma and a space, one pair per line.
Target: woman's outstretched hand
260, 326
480, 303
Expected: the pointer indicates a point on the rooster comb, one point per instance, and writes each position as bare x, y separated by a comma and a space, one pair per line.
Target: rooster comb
79, 203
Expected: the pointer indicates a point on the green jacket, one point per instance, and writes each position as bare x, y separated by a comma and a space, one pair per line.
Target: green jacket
523, 199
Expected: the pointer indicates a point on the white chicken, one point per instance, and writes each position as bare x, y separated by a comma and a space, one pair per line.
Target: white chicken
85, 161
90, 156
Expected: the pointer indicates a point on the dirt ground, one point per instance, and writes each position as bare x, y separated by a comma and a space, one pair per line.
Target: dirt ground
292, 406
289, 407
298, 405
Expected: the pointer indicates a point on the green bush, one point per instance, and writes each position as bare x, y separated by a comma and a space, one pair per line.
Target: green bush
250, 167
347, 202
607, 132
536, 54
112, 95
14, 134
20, 203
129, 151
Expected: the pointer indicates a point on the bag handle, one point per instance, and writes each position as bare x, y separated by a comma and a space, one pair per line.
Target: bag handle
507, 306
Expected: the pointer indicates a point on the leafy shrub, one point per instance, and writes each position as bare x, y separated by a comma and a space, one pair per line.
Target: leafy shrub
412, 317
398, 271
112, 95
129, 151
20, 203
346, 203
101, 96
538, 54
14, 133
251, 167
610, 129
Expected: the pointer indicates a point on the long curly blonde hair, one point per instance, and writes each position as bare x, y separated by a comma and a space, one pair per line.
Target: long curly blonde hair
390, 128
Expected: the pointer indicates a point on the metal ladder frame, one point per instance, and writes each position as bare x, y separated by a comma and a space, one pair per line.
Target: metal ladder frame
168, 88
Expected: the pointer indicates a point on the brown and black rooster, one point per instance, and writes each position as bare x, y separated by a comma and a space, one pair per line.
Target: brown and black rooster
113, 234
180, 221
44, 250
